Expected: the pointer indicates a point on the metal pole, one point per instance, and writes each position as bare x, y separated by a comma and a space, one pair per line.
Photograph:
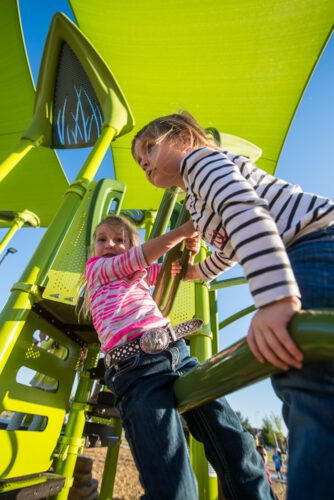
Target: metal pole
236, 367
21, 150
201, 347
71, 443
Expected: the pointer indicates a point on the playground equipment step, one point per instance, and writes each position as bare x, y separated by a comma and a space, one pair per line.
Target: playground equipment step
99, 435
102, 411
98, 372
104, 406
31, 487
65, 318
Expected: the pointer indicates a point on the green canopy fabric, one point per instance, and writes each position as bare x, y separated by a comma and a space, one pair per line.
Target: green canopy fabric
38, 182
239, 66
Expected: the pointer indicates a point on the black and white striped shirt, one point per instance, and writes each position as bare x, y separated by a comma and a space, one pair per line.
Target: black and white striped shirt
250, 217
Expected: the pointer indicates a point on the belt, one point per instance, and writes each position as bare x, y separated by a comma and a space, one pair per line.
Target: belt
152, 341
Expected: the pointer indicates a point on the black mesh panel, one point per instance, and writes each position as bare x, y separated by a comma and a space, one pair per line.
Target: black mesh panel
77, 116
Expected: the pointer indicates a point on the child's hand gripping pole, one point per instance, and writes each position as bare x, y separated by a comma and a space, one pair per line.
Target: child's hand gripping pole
184, 267
167, 286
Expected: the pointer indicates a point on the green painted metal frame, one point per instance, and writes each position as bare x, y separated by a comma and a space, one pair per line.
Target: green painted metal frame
201, 346
19, 190
111, 98
110, 465
236, 367
18, 352
166, 287
17, 220
220, 284
236, 316
18, 311
72, 443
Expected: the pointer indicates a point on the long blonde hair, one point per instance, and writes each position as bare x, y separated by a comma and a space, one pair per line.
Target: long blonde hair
83, 308
171, 127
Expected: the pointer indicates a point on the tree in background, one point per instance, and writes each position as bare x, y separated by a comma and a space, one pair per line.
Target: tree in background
272, 432
278, 429
267, 433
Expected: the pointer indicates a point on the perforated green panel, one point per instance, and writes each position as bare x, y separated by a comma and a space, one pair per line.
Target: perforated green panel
63, 277
67, 268
184, 305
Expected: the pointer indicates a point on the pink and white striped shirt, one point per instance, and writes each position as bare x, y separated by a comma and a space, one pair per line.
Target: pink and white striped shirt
119, 294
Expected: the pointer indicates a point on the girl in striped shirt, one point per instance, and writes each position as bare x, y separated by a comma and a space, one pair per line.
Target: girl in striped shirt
119, 277
284, 239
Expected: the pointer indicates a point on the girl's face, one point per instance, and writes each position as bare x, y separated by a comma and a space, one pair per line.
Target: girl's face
161, 161
110, 241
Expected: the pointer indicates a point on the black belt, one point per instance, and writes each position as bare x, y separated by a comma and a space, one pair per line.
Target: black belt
152, 342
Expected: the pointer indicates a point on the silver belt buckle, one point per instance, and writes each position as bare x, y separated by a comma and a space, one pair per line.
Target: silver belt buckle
154, 341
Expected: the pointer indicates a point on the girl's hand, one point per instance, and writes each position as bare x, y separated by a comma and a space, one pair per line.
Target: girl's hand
188, 229
268, 337
193, 245
176, 268
191, 273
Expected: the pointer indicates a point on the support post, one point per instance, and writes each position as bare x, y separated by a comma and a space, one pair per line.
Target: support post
110, 465
71, 444
201, 347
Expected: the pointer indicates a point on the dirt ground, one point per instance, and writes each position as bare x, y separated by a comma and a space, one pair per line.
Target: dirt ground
127, 486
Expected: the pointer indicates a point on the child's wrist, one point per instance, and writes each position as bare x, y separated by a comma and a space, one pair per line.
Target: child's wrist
293, 299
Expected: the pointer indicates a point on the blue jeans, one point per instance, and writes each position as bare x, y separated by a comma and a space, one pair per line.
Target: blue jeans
143, 386
308, 394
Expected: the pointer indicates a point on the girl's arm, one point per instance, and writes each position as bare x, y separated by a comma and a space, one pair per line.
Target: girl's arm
100, 271
157, 247
217, 262
251, 234
152, 273
257, 246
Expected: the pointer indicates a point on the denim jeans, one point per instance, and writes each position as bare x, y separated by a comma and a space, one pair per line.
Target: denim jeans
143, 386
308, 394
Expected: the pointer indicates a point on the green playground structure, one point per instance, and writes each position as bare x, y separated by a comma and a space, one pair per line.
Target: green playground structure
242, 70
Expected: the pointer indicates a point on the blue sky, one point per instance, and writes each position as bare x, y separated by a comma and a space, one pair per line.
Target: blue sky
306, 159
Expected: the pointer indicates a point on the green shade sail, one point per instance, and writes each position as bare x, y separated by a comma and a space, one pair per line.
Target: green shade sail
38, 182
240, 67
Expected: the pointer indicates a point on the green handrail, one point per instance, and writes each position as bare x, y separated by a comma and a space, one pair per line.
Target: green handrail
235, 367
218, 285
234, 317
166, 286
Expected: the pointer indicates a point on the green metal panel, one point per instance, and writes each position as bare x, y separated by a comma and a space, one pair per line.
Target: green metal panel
68, 266
17, 446
28, 186
240, 67
83, 62
184, 304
